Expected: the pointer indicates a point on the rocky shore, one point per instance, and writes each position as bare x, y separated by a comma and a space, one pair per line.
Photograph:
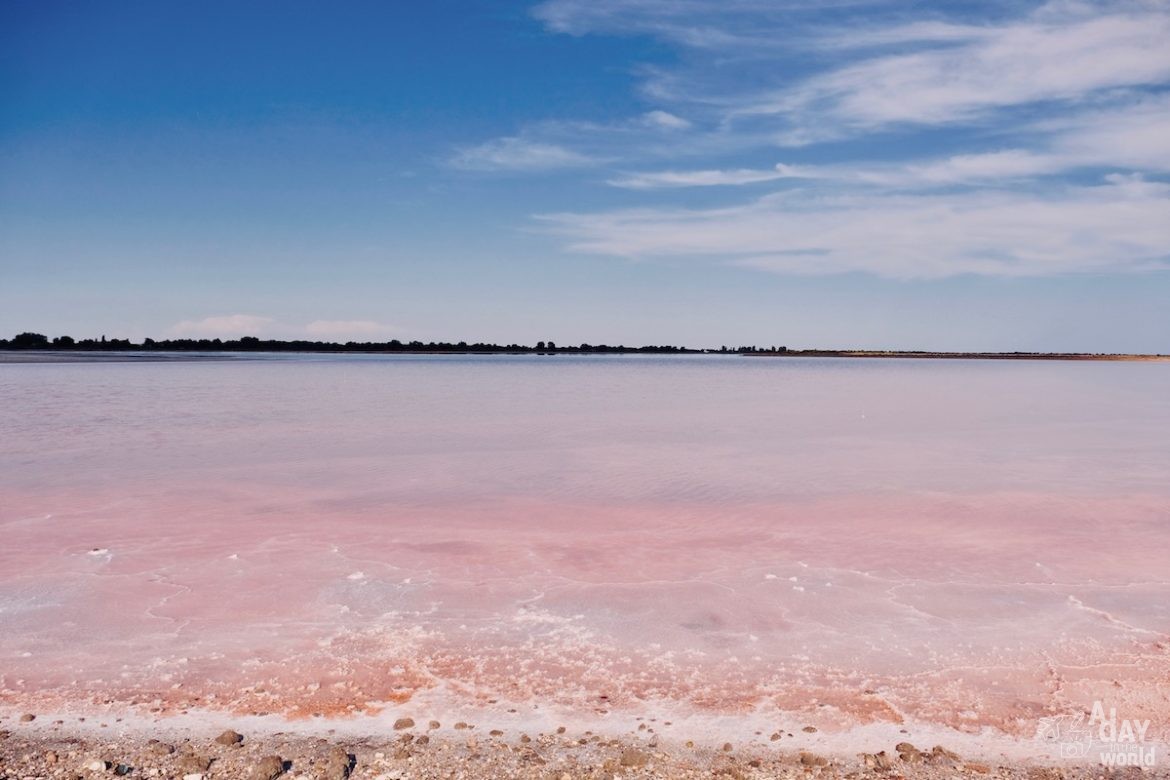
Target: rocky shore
429, 749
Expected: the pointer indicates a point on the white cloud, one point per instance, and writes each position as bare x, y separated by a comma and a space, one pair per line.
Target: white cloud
1006, 164
665, 119
699, 24
1041, 92
226, 326
1129, 135
914, 32
1135, 134
706, 178
347, 330
515, 153
751, 60
1119, 225
1013, 64
564, 144
997, 166
233, 326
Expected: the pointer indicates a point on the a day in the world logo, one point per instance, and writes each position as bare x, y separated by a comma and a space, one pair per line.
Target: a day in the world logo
1102, 735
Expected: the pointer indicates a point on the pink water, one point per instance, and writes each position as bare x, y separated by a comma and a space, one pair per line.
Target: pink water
966, 545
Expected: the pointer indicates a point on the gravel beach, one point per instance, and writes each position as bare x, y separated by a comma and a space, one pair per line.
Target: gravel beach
430, 749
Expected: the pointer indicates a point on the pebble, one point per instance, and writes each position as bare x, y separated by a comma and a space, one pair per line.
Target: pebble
908, 752
811, 759
634, 758
27, 717
938, 752
268, 768
338, 764
193, 764
406, 723
230, 737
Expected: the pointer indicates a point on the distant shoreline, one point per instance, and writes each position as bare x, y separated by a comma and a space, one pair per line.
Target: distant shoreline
41, 348
862, 353
16, 355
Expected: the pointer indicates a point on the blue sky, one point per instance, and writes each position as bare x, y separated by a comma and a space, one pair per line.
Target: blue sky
880, 174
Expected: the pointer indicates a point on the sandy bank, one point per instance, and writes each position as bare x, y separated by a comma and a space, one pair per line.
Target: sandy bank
108, 747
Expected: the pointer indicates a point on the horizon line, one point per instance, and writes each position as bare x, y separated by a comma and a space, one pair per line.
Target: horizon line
28, 341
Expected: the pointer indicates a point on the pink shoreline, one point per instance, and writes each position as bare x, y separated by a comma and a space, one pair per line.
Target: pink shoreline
753, 734
783, 611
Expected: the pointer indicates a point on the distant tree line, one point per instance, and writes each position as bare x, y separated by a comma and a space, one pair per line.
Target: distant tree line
253, 344
38, 341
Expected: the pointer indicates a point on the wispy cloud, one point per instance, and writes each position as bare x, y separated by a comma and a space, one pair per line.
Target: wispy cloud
940, 71
665, 119
802, 82
931, 31
562, 144
1035, 60
515, 153
349, 330
697, 24
1132, 136
1134, 133
223, 326
963, 136
1118, 225
998, 166
233, 326
707, 178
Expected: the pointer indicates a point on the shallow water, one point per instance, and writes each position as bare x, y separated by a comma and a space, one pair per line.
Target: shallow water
967, 544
